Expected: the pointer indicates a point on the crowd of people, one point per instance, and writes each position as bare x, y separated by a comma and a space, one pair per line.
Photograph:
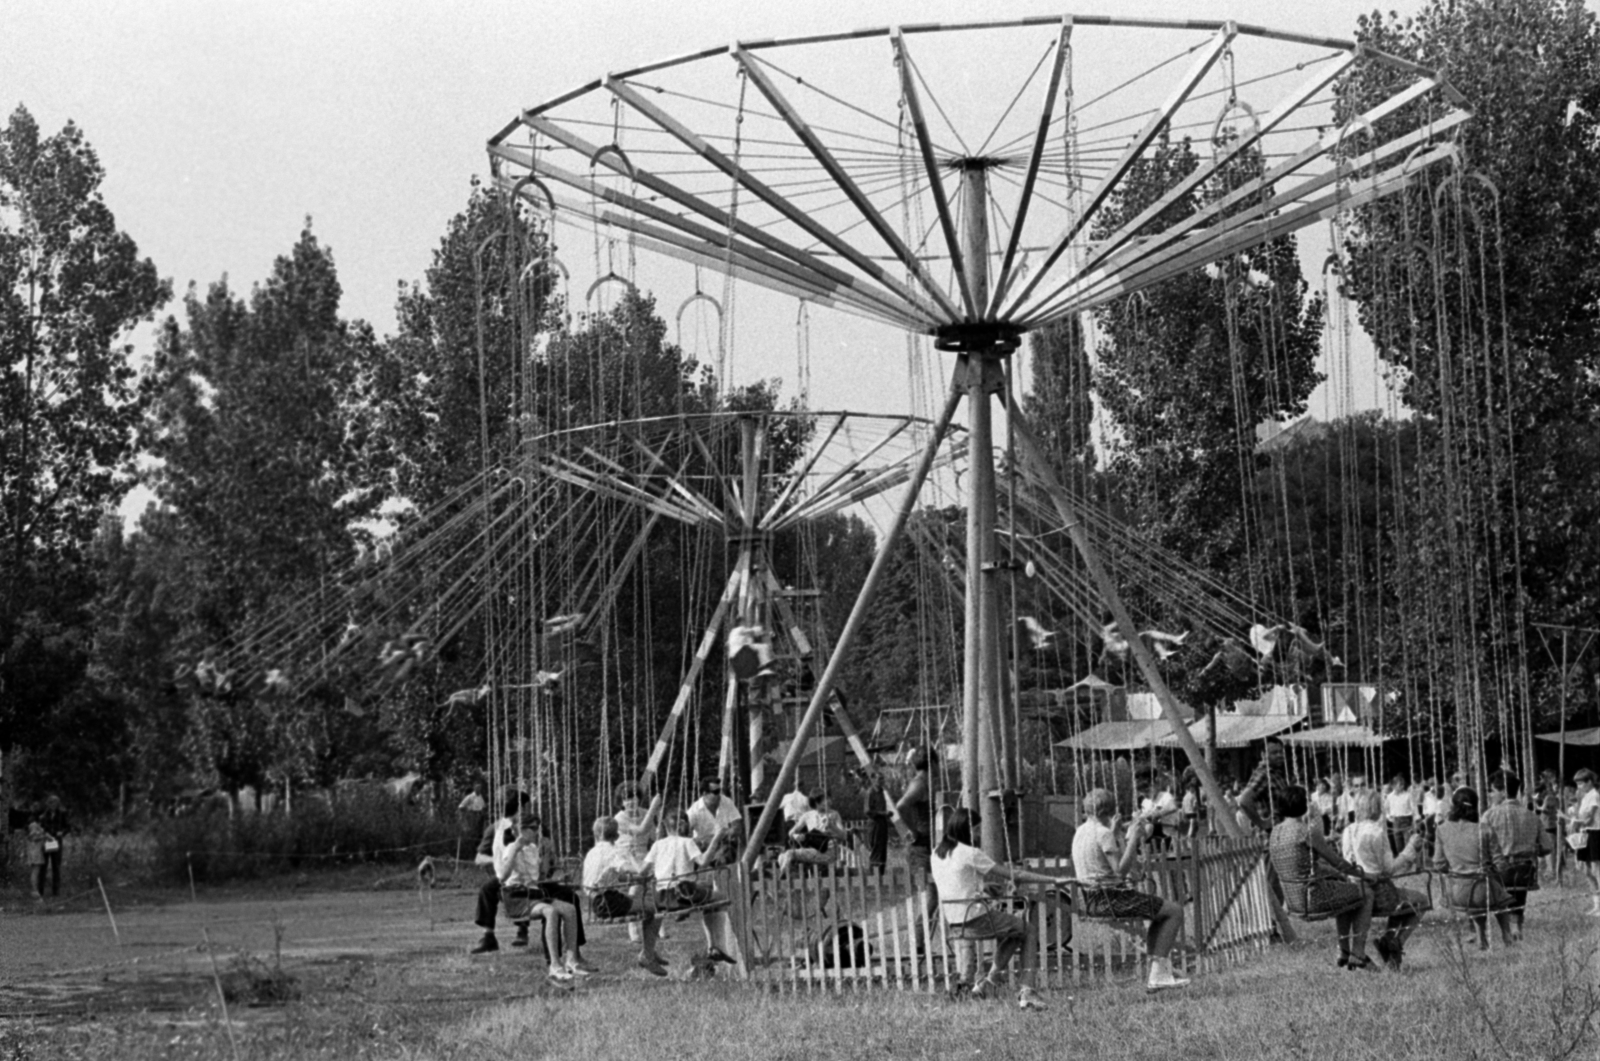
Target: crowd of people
1340, 849
1343, 850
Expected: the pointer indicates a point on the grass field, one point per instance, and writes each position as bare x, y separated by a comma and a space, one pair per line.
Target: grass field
337, 969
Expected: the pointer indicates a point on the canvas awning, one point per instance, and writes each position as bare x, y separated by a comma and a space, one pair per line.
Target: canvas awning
1235, 731
1118, 736
1339, 735
1587, 737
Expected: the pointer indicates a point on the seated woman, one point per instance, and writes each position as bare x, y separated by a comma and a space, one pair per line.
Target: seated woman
961, 870
1315, 878
1471, 855
517, 864
614, 881
816, 837
1366, 845
1101, 865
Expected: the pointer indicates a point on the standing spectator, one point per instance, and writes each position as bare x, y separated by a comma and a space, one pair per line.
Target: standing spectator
1354, 790
1401, 807
1161, 811
53, 820
914, 809
1323, 803
1521, 837
471, 811
1194, 804
35, 842
1547, 804
1584, 823
878, 809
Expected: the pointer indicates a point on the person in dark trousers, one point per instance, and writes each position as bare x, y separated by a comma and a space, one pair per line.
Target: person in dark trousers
514, 804
53, 820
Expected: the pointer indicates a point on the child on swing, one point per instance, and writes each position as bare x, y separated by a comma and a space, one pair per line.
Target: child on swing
517, 864
674, 861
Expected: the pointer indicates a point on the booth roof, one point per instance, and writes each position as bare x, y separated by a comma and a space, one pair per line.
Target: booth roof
1339, 735
1118, 736
1235, 731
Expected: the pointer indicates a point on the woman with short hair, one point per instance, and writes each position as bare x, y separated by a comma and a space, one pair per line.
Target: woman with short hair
1317, 880
1471, 856
1367, 847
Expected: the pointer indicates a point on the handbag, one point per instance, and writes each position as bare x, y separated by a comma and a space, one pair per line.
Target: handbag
1578, 840
52, 845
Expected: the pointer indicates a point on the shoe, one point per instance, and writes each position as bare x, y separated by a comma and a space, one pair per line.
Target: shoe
486, 945
1343, 962
588, 967
717, 954
1162, 977
1026, 999
559, 974
654, 968
522, 937
1362, 962
577, 969
1385, 950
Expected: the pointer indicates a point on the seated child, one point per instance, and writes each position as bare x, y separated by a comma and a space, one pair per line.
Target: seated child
614, 881
1102, 866
960, 870
816, 837
673, 860
517, 865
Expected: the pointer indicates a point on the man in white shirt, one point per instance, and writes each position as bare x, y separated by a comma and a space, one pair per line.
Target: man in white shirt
1354, 789
711, 814
794, 807
1400, 807
1101, 866
614, 881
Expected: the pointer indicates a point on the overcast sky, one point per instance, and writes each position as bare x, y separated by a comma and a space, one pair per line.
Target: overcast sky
223, 125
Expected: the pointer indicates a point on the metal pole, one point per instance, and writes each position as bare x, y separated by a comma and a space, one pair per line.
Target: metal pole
1561, 764
852, 626
982, 722
1034, 454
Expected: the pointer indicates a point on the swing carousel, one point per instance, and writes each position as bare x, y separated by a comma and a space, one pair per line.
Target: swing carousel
862, 172
865, 172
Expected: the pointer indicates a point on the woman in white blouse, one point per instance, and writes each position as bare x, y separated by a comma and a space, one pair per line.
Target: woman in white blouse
1366, 844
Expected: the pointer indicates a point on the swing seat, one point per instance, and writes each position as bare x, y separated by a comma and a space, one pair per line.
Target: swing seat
603, 906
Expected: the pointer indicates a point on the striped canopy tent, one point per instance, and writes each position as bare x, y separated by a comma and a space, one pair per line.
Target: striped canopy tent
1235, 731
1119, 736
1342, 735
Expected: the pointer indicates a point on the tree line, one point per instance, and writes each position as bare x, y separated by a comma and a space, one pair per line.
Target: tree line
271, 430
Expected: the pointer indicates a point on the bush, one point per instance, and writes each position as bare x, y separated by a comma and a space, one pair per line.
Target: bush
361, 825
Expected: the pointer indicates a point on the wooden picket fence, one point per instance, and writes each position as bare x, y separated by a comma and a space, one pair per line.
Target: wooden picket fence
834, 928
